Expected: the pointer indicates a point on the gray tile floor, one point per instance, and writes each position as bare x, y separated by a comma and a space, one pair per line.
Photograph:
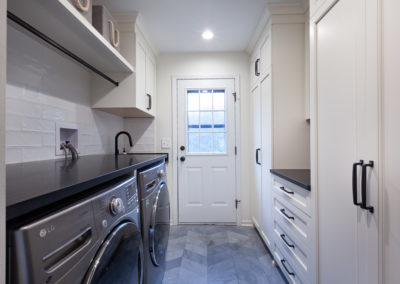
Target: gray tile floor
218, 254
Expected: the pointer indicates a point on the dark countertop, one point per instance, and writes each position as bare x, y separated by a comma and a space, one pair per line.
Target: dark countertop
33, 185
298, 177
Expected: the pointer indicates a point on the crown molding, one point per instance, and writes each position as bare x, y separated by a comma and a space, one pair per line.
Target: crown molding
272, 9
133, 21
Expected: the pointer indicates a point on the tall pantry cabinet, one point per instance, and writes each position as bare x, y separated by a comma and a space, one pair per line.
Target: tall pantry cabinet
345, 119
280, 130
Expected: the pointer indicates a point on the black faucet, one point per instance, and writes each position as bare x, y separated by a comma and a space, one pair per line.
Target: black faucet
116, 140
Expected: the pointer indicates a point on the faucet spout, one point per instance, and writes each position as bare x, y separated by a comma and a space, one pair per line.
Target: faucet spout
116, 140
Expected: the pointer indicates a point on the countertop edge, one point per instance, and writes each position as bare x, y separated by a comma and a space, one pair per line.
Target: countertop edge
292, 180
17, 210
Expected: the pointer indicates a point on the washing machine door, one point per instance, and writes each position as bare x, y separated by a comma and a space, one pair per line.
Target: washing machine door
159, 226
119, 259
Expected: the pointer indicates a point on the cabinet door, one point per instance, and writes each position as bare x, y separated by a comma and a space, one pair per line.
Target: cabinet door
150, 81
141, 98
347, 243
253, 62
256, 150
265, 55
266, 138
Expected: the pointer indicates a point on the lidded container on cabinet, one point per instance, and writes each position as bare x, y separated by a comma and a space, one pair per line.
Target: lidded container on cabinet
84, 7
106, 25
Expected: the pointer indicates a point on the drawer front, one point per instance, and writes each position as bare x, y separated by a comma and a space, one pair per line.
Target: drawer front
287, 267
294, 248
294, 219
299, 197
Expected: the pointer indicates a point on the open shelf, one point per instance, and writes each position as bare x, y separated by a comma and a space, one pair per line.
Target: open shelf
60, 21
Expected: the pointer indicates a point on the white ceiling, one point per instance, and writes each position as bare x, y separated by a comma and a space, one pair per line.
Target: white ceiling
177, 25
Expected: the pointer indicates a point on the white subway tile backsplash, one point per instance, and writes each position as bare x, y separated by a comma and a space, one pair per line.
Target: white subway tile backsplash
14, 155
13, 122
36, 124
37, 153
48, 139
13, 92
21, 138
23, 108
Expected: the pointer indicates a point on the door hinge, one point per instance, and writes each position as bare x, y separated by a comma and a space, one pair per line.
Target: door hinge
234, 96
237, 203
235, 150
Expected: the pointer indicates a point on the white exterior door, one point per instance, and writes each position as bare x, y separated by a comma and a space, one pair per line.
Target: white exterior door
206, 151
348, 234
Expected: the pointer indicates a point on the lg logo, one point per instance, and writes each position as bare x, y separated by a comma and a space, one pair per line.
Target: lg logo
43, 232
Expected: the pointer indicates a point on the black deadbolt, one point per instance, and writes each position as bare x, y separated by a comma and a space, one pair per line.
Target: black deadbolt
182, 148
183, 159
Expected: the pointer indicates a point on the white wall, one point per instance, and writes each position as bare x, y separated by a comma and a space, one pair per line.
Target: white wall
44, 87
143, 134
204, 64
3, 45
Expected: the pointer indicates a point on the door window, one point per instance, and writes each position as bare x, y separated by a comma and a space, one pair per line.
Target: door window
206, 121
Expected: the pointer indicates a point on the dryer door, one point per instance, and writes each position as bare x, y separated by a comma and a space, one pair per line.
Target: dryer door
119, 259
159, 226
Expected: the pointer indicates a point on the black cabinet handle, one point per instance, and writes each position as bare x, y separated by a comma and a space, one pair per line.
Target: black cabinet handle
182, 148
257, 156
286, 215
182, 159
364, 187
150, 102
283, 237
355, 198
285, 190
256, 71
287, 270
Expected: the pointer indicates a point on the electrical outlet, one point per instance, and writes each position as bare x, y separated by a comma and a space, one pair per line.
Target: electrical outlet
165, 143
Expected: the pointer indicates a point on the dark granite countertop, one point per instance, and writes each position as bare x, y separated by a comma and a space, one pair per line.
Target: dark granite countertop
298, 177
33, 185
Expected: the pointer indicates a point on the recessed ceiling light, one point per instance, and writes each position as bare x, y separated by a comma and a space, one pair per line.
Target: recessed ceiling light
207, 34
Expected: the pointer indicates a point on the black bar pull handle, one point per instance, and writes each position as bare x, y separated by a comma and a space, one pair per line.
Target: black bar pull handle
287, 270
286, 215
257, 156
364, 187
256, 71
285, 190
150, 102
283, 237
355, 198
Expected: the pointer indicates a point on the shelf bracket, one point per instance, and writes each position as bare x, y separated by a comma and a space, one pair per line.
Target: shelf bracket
56, 45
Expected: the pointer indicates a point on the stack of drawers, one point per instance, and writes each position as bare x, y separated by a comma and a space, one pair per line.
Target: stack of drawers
292, 230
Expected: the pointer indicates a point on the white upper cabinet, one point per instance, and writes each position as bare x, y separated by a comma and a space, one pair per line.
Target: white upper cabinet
260, 60
150, 82
135, 96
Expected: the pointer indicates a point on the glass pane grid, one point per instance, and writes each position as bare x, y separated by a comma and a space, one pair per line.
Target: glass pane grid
206, 121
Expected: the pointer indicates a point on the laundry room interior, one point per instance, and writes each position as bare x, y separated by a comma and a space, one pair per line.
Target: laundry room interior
183, 141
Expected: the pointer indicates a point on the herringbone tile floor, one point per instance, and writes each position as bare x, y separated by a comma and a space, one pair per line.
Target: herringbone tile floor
218, 254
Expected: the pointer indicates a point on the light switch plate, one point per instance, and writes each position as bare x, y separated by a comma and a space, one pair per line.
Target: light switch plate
165, 143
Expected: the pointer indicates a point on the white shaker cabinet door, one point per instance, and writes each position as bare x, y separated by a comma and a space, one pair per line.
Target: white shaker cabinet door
347, 233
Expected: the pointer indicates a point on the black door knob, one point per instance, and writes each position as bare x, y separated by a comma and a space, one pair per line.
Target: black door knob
182, 148
183, 159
